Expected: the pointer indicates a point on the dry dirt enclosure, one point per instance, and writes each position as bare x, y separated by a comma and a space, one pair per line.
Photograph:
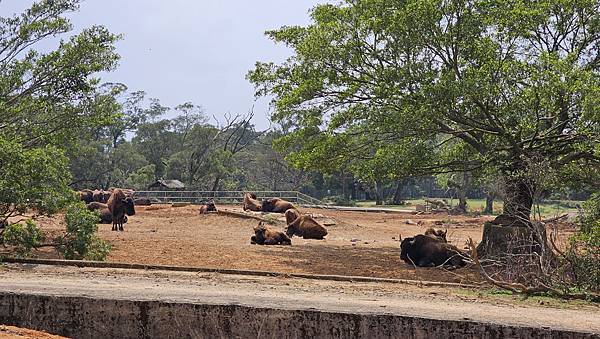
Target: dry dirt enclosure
359, 244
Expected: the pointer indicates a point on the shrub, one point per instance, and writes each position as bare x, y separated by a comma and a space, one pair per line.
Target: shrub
23, 237
81, 240
583, 252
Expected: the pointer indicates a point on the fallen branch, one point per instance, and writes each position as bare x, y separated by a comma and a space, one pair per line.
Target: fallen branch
245, 216
556, 218
523, 289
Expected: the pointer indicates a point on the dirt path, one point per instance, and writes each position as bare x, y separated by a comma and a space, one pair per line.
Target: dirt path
11, 332
282, 293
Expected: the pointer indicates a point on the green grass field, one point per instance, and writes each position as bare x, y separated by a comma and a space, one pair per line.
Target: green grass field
476, 205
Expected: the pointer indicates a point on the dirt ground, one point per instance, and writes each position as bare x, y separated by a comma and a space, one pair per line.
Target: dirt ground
359, 244
10, 332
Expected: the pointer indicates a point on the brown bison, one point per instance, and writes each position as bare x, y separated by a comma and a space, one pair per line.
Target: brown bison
94, 205
107, 218
437, 234
101, 196
424, 251
266, 236
276, 205
303, 226
208, 207
251, 204
86, 196
119, 205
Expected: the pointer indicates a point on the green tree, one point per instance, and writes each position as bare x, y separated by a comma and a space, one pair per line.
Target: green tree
515, 83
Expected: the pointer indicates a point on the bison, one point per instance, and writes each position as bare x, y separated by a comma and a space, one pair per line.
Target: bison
208, 207
142, 201
119, 205
101, 196
424, 251
251, 204
437, 234
276, 205
107, 218
303, 226
86, 196
267, 236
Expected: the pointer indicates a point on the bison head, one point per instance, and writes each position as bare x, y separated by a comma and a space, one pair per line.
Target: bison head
405, 247
129, 206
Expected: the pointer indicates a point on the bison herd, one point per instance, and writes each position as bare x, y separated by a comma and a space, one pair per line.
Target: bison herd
422, 250
113, 206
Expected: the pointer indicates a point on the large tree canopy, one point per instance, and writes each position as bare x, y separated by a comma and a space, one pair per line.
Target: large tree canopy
512, 84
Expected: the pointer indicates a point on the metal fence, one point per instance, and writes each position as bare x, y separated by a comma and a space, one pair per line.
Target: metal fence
231, 197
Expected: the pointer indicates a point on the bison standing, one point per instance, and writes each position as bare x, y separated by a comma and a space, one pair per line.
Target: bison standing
266, 236
303, 226
119, 205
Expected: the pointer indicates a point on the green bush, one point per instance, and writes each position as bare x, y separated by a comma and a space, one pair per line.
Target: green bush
583, 252
81, 240
23, 237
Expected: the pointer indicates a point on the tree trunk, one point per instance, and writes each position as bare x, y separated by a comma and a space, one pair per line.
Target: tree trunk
462, 200
513, 225
518, 201
489, 203
378, 194
216, 183
398, 193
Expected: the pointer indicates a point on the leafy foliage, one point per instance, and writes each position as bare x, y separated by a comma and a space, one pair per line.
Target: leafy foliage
583, 253
512, 83
81, 240
32, 179
25, 238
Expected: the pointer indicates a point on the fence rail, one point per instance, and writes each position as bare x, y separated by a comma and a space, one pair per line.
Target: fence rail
225, 196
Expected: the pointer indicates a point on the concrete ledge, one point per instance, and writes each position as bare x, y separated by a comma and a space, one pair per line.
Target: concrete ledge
83, 317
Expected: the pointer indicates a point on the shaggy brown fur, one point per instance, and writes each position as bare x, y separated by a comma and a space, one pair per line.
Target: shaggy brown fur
251, 204
101, 196
303, 226
208, 207
276, 205
266, 236
119, 205
423, 251
86, 196
106, 217
437, 234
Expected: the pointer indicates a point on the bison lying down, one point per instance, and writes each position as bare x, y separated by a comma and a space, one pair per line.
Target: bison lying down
119, 205
303, 226
423, 251
437, 234
276, 205
208, 207
105, 214
266, 236
251, 204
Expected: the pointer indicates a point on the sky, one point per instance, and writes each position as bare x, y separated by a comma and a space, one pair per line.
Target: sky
191, 50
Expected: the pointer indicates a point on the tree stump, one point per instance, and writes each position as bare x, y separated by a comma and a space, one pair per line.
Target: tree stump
499, 240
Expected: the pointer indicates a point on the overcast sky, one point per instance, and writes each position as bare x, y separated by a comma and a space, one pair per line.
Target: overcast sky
190, 50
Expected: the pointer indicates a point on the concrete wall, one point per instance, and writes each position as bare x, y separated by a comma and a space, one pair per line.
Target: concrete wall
81, 317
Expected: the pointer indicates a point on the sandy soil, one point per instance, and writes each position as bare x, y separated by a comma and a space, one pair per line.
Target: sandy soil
11, 332
359, 244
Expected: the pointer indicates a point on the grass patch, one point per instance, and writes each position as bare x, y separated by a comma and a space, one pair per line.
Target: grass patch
547, 210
